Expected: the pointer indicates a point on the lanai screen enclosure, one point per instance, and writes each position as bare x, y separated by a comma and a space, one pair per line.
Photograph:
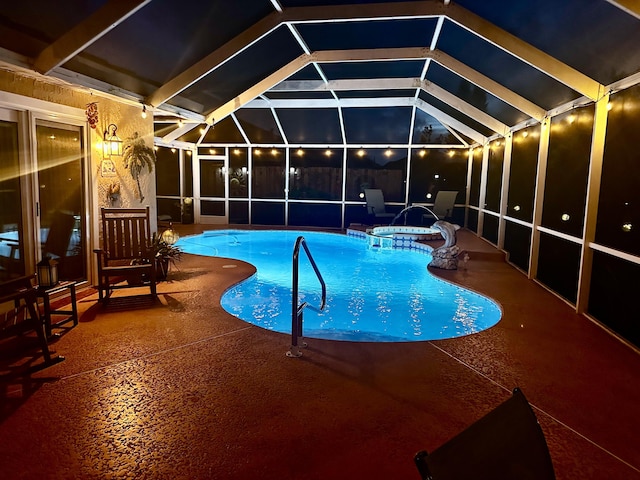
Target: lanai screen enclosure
281, 112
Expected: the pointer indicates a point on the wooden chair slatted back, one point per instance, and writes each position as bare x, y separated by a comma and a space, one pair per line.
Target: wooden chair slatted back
126, 233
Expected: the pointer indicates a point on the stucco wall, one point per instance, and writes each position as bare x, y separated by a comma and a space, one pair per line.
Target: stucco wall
127, 118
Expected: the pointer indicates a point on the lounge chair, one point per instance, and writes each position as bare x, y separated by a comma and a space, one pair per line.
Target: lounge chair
375, 205
443, 206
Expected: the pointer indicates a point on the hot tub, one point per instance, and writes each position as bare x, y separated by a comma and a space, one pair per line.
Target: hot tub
407, 233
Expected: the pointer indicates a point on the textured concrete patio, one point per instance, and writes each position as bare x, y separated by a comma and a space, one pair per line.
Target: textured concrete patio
180, 389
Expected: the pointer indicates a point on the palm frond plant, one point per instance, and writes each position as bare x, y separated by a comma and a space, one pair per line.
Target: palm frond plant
164, 254
137, 155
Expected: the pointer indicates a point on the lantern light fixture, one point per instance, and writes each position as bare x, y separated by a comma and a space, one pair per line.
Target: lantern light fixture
47, 272
112, 144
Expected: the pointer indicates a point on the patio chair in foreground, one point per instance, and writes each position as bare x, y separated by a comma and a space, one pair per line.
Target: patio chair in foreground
505, 444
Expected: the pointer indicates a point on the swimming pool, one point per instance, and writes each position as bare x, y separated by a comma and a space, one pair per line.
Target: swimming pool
373, 294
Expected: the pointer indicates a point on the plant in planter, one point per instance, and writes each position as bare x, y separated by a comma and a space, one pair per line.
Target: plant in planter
165, 254
136, 156
162, 254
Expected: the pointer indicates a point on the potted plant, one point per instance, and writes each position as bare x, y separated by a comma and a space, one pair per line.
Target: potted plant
164, 254
137, 155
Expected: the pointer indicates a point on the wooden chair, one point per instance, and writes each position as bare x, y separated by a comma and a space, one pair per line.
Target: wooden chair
125, 259
505, 444
23, 314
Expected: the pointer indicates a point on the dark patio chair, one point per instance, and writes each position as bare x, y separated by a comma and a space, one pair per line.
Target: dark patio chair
443, 205
375, 205
19, 313
505, 444
125, 259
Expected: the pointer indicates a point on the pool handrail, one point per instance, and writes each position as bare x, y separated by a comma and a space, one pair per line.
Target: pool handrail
296, 310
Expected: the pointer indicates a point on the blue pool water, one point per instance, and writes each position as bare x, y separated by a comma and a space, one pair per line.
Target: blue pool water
373, 294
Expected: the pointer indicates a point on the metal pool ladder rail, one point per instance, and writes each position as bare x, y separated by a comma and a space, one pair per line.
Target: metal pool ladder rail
296, 310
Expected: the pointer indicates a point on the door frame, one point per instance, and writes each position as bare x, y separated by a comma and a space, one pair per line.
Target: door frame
28, 111
197, 198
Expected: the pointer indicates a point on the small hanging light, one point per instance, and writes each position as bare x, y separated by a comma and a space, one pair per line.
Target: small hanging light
144, 111
170, 236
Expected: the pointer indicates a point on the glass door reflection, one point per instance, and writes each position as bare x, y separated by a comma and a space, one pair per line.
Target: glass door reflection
60, 182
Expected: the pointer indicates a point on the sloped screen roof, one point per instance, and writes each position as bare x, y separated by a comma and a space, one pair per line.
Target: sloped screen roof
477, 68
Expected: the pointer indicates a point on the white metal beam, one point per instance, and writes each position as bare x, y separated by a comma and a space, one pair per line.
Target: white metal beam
457, 67
464, 107
178, 132
290, 15
373, 54
394, 10
347, 84
216, 58
395, 84
102, 21
360, 12
259, 88
525, 52
592, 202
446, 119
632, 7
491, 86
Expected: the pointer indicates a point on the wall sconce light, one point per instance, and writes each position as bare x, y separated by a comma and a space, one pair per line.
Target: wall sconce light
112, 144
144, 111
47, 272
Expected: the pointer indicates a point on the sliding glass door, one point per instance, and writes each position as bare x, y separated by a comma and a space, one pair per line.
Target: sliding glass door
60, 200
12, 241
